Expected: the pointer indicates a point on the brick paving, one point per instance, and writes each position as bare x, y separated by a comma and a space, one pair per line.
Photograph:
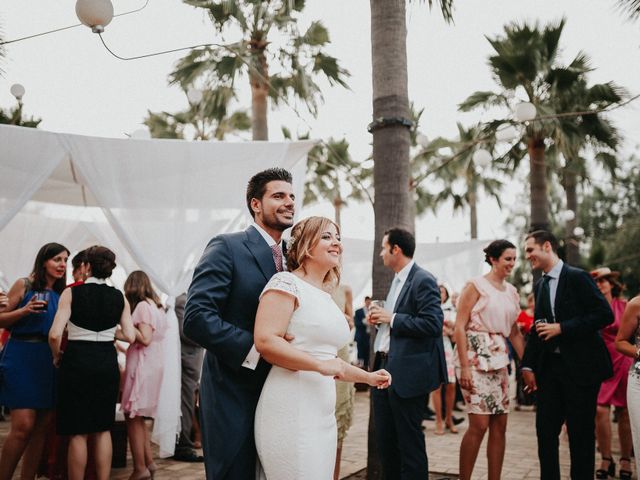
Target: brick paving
521, 460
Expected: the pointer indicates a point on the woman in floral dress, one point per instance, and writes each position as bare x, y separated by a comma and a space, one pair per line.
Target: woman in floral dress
487, 311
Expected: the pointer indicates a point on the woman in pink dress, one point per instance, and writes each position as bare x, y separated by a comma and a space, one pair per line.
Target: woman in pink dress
487, 311
614, 390
144, 368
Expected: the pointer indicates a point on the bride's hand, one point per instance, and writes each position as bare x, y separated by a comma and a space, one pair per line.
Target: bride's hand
380, 379
333, 368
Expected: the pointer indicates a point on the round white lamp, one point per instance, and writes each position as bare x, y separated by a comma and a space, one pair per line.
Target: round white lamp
525, 112
568, 215
578, 231
519, 222
422, 140
507, 133
481, 158
194, 95
96, 14
458, 188
17, 91
141, 134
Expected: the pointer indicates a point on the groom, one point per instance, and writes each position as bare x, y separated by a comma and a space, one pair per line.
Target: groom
219, 316
409, 345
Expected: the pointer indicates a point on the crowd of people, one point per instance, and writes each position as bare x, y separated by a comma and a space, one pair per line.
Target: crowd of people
263, 330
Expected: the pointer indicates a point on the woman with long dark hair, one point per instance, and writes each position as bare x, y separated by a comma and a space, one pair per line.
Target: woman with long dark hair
144, 369
27, 384
89, 378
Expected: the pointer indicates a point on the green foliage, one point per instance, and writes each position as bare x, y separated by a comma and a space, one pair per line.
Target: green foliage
610, 216
298, 60
14, 116
630, 8
208, 120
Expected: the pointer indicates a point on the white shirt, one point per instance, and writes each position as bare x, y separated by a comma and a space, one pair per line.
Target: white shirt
400, 278
554, 277
252, 359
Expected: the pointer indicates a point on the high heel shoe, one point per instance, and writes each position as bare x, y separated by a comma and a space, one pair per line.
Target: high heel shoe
144, 475
603, 474
451, 427
152, 467
625, 474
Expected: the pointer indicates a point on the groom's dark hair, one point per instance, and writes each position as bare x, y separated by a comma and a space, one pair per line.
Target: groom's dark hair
258, 183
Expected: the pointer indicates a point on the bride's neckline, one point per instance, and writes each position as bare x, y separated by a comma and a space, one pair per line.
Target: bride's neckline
310, 284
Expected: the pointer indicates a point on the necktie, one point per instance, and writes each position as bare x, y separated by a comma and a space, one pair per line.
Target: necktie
277, 257
544, 299
389, 304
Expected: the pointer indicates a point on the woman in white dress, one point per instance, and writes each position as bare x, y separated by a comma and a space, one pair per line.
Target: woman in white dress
295, 425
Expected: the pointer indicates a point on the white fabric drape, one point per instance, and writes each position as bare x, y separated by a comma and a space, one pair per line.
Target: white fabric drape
24, 166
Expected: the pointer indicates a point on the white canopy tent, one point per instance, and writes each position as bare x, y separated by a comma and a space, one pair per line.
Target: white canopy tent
164, 199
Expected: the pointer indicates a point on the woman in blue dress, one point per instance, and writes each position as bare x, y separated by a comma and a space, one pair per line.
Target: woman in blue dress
27, 374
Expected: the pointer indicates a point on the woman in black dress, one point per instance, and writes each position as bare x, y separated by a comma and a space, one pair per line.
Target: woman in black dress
89, 379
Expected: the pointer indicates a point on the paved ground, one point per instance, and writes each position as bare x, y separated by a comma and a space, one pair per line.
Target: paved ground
520, 460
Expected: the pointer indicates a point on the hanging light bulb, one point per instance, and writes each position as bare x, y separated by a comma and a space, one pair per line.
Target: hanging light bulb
96, 14
519, 222
422, 140
194, 95
525, 112
17, 91
141, 134
578, 231
568, 215
481, 158
507, 133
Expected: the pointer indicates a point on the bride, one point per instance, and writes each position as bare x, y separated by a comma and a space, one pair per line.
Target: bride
295, 427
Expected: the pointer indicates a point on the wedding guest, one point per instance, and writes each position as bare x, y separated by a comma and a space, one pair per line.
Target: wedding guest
28, 384
345, 392
525, 322
628, 343
89, 379
565, 359
295, 426
487, 312
450, 386
144, 369
191, 355
613, 391
362, 333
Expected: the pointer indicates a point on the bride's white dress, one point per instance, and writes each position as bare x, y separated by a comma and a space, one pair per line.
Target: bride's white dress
295, 426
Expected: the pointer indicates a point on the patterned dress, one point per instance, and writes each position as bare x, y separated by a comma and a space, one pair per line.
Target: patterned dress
490, 324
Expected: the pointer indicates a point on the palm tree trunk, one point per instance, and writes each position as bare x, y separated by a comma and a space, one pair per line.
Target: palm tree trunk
337, 209
570, 183
538, 185
259, 92
473, 214
390, 149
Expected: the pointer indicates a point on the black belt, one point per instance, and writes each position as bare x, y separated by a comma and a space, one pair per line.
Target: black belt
30, 337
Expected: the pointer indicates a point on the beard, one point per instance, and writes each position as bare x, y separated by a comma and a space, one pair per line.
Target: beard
277, 223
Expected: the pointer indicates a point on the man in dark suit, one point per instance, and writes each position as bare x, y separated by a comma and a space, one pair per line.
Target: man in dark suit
220, 314
565, 359
362, 334
191, 366
409, 345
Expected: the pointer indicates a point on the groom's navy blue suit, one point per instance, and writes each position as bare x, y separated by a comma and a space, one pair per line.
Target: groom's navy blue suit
220, 315
417, 366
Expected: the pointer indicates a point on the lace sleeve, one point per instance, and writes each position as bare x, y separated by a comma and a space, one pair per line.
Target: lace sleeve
283, 282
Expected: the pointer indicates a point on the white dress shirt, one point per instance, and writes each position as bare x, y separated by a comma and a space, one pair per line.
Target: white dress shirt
385, 330
554, 277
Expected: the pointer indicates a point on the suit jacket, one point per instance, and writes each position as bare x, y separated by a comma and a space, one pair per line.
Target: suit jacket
220, 315
582, 311
416, 352
358, 322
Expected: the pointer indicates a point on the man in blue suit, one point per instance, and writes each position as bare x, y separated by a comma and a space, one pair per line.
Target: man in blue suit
362, 333
409, 345
220, 314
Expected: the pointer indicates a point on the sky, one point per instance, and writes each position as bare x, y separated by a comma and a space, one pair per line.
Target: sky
76, 86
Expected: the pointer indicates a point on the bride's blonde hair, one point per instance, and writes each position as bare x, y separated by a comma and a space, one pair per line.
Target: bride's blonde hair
305, 235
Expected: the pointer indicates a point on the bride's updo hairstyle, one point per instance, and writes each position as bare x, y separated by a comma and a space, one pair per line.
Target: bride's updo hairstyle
305, 235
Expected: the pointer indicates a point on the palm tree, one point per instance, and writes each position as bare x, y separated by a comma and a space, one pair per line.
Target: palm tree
527, 58
456, 169
207, 120
391, 140
631, 7
325, 162
300, 58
